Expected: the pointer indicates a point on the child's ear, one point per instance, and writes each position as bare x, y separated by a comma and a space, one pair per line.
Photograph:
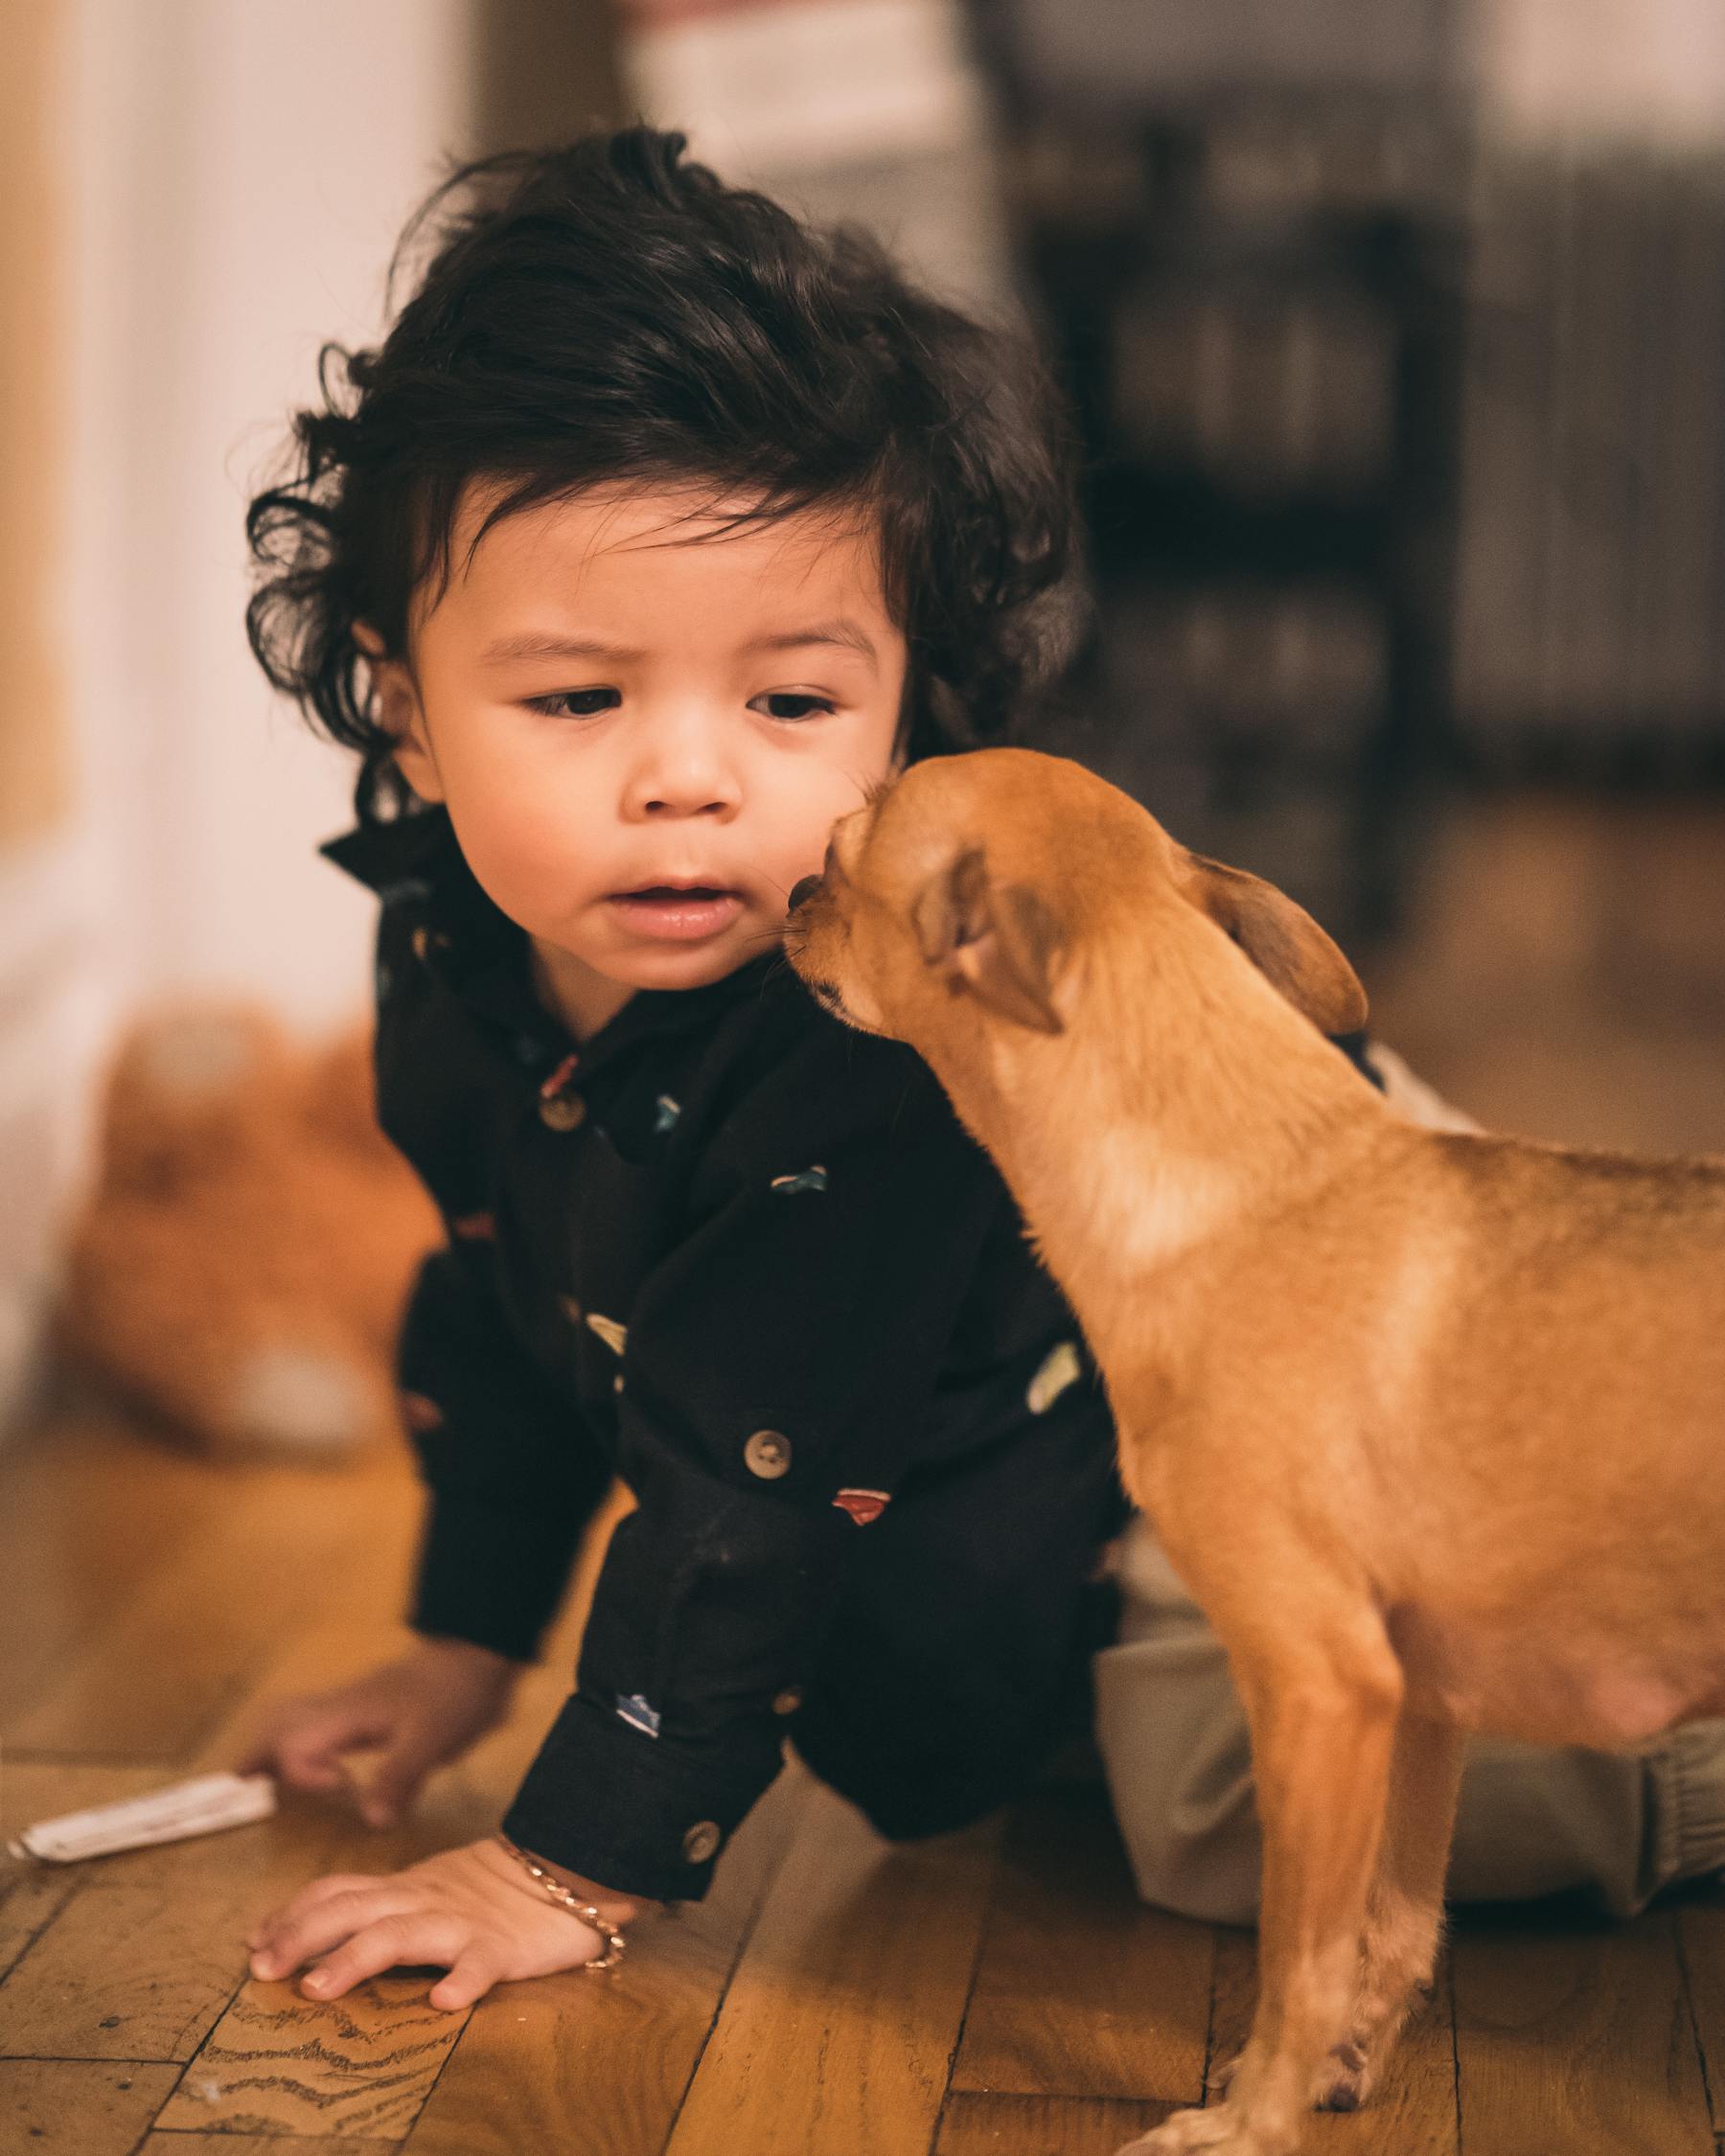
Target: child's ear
397, 709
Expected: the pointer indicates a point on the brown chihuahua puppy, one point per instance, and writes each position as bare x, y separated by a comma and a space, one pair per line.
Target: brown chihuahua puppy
1430, 1423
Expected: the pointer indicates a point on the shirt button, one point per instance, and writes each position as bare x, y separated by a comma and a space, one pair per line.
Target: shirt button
563, 1112
768, 1454
788, 1701
700, 1842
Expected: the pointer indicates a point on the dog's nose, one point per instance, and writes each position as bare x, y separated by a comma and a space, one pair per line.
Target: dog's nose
806, 889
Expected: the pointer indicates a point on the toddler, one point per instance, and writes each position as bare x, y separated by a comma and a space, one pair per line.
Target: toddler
660, 531
657, 532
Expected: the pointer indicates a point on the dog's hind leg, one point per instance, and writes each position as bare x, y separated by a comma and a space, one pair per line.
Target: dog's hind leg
1404, 1905
1324, 1714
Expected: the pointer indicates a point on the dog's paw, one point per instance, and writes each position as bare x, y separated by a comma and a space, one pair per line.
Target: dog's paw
1223, 2129
1345, 2080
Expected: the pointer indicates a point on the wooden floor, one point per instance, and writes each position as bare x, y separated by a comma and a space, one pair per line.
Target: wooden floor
994, 1991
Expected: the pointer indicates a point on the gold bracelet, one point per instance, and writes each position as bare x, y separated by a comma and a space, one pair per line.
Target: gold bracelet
614, 1942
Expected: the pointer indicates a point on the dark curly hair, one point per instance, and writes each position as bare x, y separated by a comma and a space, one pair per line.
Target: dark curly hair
609, 311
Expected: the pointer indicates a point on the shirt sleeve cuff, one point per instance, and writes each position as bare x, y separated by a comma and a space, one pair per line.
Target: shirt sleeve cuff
491, 1575
638, 1814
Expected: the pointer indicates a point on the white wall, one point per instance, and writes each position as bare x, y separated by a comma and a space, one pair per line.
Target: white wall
240, 173
236, 172
1605, 71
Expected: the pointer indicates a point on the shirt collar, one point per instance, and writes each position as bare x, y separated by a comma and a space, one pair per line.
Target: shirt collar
482, 955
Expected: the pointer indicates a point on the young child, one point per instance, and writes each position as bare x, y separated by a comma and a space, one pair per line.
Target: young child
658, 532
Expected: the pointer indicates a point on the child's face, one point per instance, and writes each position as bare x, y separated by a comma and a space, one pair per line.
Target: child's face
605, 706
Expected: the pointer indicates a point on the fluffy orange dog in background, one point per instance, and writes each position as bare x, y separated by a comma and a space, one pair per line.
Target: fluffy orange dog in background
1430, 1423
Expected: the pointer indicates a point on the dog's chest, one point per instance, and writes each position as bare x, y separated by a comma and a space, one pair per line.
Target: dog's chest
1569, 1690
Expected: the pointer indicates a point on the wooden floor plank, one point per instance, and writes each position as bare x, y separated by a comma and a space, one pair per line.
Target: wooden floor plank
122, 1972
178, 2144
1414, 2111
29, 1903
179, 1648
1701, 1939
88, 1508
33, 1894
973, 2124
1577, 2040
148, 1948
600, 2064
53, 2108
838, 2027
361, 2065
145, 1956
1081, 1989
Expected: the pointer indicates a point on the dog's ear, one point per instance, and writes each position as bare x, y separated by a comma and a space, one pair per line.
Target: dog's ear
999, 942
1284, 943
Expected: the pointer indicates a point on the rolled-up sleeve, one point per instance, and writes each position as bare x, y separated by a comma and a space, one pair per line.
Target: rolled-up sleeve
512, 1476
778, 1371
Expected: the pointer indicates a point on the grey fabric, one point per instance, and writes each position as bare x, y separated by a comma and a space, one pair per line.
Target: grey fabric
1532, 1820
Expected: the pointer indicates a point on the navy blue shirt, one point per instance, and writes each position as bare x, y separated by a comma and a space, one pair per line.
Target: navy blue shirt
749, 1260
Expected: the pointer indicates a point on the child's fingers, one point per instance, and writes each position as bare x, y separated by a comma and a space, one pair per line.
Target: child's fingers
304, 1755
287, 1937
312, 1769
471, 1979
320, 1890
395, 1782
386, 1944
285, 1724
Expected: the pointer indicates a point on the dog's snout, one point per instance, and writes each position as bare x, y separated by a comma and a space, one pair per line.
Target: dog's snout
810, 885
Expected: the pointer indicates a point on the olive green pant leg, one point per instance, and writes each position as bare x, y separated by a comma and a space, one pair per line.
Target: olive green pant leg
1533, 1820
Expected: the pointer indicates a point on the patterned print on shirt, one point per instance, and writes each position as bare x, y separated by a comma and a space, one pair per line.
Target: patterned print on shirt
560, 1077
639, 1714
609, 1330
1060, 1368
809, 1178
863, 1505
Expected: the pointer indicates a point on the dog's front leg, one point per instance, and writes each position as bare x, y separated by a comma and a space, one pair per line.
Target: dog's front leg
1323, 1731
1404, 1908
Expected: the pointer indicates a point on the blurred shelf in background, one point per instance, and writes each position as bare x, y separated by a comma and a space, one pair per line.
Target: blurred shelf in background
1243, 232
1404, 418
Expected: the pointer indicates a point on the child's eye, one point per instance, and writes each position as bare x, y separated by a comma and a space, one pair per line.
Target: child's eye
574, 703
785, 703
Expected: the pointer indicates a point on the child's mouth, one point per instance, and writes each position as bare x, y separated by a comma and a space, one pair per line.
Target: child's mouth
677, 915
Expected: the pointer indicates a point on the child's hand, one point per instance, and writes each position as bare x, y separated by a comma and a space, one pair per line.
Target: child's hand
425, 1707
471, 1911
